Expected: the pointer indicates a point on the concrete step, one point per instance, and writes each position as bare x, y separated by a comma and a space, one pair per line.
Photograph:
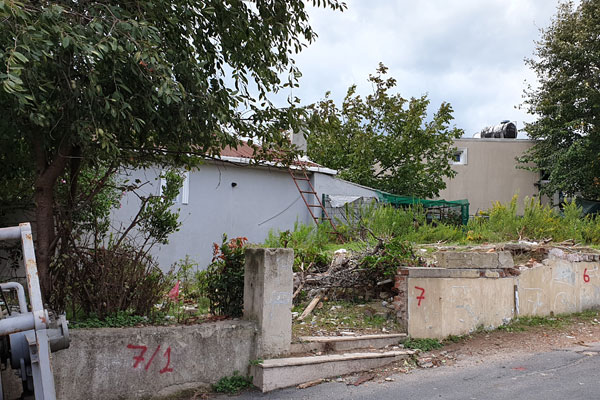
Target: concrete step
284, 372
345, 343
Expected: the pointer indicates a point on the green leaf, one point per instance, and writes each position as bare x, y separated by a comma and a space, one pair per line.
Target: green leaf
20, 56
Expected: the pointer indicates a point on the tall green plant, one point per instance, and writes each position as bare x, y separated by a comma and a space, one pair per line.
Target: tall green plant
223, 281
308, 242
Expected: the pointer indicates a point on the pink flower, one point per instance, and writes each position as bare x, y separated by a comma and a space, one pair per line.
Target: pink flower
174, 293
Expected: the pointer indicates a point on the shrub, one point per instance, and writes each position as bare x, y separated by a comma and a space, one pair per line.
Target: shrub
101, 271
104, 281
186, 273
223, 281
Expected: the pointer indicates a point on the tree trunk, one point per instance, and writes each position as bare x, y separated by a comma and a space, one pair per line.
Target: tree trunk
45, 233
47, 172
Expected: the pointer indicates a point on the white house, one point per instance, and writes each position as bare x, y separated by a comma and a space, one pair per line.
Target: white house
231, 196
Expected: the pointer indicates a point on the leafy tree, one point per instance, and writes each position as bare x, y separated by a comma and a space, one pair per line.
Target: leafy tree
98, 85
567, 102
384, 140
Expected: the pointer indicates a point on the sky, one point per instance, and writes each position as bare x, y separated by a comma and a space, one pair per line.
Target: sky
469, 53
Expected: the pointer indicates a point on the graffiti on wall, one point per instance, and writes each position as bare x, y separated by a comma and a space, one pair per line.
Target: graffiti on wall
140, 359
421, 296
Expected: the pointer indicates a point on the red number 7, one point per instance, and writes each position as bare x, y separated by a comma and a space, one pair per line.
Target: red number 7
421, 296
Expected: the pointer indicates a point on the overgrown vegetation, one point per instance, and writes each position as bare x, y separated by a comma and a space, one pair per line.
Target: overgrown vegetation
103, 270
393, 253
539, 222
309, 244
399, 226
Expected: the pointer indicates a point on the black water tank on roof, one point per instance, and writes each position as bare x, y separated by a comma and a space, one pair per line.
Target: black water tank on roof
505, 129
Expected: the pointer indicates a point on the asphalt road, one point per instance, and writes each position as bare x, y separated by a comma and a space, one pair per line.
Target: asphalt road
561, 374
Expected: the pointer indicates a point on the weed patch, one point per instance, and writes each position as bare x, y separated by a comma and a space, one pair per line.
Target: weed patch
116, 320
232, 384
422, 344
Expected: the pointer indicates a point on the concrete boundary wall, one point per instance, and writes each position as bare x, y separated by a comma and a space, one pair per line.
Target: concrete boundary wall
158, 361
438, 302
133, 363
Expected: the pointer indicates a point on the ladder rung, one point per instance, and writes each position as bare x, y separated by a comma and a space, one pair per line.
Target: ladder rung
305, 191
298, 178
315, 205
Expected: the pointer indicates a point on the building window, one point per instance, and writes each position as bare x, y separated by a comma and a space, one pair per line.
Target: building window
459, 157
184, 192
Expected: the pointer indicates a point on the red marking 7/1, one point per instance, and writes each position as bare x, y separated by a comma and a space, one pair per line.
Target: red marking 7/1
140, 358
421, 296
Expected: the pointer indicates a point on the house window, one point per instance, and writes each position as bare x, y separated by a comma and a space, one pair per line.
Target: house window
184, 192
459, 157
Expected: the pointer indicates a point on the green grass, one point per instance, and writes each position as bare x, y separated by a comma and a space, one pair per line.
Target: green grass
552, 322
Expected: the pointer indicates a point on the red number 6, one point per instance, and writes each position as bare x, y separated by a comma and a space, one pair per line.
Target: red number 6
586, 277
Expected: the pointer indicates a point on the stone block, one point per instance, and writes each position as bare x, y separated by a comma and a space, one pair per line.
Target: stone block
466, 259
491, 274
443, 273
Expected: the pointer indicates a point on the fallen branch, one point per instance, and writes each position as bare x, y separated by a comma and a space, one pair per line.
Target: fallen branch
311, 306
297, 292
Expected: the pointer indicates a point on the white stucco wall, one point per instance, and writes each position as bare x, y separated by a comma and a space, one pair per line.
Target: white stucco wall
264, 198
335, 186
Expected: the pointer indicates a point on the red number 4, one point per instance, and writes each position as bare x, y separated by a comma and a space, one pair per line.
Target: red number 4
421, 296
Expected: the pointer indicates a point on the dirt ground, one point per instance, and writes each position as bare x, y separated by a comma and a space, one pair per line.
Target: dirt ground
499, 344
492, 346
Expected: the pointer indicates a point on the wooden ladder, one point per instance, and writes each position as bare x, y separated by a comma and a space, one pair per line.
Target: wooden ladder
311, 192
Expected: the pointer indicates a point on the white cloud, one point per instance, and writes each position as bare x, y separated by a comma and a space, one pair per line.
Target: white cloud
467, 52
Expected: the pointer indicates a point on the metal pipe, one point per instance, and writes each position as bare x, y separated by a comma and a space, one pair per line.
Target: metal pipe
19, 323
13, 232
20, 294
